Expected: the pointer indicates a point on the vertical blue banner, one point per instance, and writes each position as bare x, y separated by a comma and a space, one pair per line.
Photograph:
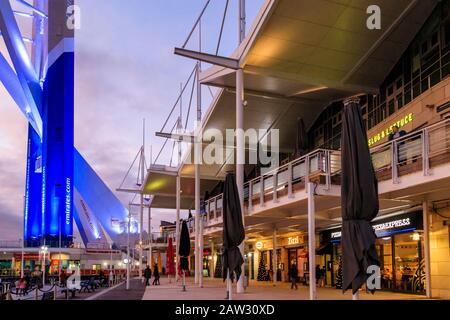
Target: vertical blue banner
58, 148
33, 189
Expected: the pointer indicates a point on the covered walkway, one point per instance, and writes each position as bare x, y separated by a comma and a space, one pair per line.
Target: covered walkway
214, 289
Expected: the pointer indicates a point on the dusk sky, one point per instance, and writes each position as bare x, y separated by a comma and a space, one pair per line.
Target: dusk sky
125, 71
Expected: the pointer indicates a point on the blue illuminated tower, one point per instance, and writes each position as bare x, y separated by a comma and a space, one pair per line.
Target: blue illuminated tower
61, 187
49, 186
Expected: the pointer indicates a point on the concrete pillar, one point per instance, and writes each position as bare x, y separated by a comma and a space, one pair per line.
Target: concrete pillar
150, 239
200, 251
177, 225
240, 143
274, 256
311, 242
240, 156
284, 259
141, 244
212, 264
13, 265
426, 245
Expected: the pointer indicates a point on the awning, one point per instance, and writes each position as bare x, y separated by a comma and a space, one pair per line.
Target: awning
325, 249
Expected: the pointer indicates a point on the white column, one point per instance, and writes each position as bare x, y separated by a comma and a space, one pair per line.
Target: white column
141, 244
240, 142
13, 265
177, 224
128, 250
211, 266
197, 161
22, 263
274, 257
150, 239
311, 242
200, 259
240, 158
426, 245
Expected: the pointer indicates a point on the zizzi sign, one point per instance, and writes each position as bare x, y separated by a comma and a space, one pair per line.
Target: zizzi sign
386, 132
293, 240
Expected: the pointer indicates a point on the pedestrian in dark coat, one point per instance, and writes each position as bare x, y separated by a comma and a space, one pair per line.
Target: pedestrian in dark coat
293, 274
156, 275
147, 275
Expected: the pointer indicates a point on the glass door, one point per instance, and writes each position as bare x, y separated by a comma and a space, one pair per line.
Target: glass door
409, 264
384, 250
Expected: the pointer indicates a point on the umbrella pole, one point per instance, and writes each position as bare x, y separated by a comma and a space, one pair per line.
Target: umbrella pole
184, 281
229, 287
312, 242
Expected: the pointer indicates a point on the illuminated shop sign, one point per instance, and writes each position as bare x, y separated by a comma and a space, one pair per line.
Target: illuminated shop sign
385, 133
401, 223
259, 245
293, 240
336, 235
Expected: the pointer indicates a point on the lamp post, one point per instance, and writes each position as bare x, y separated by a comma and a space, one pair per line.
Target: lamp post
44, 250
128, 253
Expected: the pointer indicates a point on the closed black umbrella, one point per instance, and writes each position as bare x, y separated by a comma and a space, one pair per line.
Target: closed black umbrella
185, 247
359, 196
233, 229
184, 251
302, 139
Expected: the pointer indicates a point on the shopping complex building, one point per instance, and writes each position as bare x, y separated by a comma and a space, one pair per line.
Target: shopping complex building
295, 69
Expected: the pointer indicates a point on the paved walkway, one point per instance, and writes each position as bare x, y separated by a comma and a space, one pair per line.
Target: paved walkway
136, 292
215, 290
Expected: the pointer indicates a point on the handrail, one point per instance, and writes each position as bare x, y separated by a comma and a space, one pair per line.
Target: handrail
411, 134
331, 167
285, 166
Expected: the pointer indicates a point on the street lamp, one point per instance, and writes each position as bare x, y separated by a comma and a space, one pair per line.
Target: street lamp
44, 250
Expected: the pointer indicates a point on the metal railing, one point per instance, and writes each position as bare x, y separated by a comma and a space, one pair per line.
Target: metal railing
418, 151
320, 165
159, 238
11, 243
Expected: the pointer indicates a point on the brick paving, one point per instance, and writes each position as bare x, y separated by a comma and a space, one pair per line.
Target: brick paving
214, 289
136, 292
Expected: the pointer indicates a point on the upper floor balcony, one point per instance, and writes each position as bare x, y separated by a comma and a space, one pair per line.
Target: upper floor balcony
416, 163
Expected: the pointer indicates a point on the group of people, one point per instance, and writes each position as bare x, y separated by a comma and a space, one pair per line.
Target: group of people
148, 275
24, 284
320, 276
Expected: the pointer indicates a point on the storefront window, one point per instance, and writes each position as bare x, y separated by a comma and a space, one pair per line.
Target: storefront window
384, 250
408, 267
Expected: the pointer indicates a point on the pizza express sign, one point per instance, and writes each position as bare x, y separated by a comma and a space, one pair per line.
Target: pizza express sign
385, 227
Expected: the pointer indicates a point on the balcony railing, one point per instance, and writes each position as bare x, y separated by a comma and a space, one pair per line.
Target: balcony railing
159, 238
421, 150
321, 165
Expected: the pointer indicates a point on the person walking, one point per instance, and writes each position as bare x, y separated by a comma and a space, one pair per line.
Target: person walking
323, 274
318, 274
111, 278
293, 274
21, 287
156, 276
147, 275
63, 278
